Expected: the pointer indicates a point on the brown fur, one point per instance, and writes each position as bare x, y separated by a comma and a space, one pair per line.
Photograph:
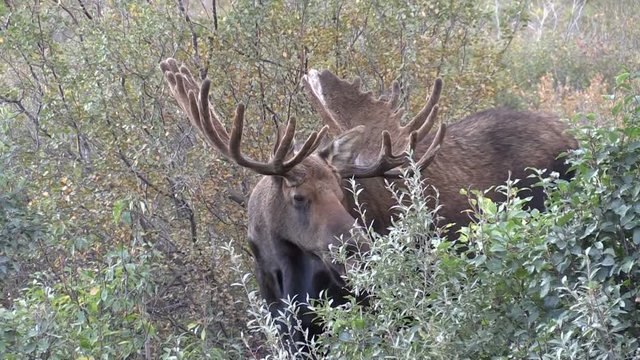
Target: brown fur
479, 152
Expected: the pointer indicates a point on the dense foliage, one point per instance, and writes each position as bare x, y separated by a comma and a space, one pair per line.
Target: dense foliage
120, 234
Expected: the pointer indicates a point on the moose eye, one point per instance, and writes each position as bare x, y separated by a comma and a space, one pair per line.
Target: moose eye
299, 199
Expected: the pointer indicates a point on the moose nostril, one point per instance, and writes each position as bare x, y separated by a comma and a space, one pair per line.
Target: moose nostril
279, 280
298, 197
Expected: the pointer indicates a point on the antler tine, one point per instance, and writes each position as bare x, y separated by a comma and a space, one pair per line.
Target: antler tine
208, 125
196, 114
424, 113
433, 149
181, 82
193, 99
431, 120
395, 94
188, 78
211, 117
285, 143
427, 157
309, 146
386, 145
183, 92
277, 165
177, 85
386, 161
413, 140
169, 65
235, 139
321, 134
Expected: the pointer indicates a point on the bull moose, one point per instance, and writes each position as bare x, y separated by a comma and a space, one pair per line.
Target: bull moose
300, 207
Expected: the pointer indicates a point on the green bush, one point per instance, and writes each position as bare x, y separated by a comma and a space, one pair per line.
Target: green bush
99, 313
19, 228
593, 265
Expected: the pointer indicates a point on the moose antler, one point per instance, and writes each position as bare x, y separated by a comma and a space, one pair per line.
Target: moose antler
184, 88
343, 105
387, 163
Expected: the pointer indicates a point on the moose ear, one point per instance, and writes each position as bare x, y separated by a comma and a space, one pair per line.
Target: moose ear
342, 150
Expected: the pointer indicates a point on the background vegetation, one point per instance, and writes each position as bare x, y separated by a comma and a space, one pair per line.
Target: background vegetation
121, 233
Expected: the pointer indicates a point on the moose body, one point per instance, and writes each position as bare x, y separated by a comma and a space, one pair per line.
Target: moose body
479, 152
300, 207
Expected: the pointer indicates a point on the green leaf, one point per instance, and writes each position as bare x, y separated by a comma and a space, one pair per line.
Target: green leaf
544, 289
494, 265
85, 343
615, 110
589, 230
608, 261
627, 265
345, 336
358, 323
126, 217
622, 78
117, 210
